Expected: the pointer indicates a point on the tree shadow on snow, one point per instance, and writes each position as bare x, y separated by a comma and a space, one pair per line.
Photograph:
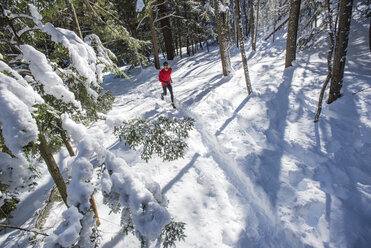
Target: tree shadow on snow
345, 172
269, 160
180, 174
234, 115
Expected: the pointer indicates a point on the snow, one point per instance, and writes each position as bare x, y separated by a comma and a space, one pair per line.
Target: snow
83, 57
16, 105
140, 5
257, 173
44, 74
70, 235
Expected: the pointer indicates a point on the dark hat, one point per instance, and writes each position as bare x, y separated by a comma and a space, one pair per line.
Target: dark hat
165, 63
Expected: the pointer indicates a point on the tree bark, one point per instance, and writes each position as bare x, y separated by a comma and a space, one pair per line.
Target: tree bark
246, 20
76, 21
329, 60
242, 45
257, 23
252, 25
154, 38
292, 32
345, 15
223, 38
47, 155
166, 31
179, 30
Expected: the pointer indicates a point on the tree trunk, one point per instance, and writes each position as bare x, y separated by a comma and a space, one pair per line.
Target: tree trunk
242, 45
223, 38
188, 50
252, 27
246, 19
236, 38
257, 23
154, 39
166, 31
292, 32
76, 22
47, 155
179, 28
345, 15
329, 59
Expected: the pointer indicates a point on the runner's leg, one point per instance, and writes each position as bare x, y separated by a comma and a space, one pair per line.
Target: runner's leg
164, 89
171, 93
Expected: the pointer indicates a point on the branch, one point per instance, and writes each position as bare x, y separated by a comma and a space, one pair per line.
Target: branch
279, 27
114, 17
22, 229
164, 17
361, 90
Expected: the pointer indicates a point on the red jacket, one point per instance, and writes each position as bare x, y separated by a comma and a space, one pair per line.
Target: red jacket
165, 76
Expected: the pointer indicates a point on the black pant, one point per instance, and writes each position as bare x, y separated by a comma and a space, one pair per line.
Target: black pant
170, 90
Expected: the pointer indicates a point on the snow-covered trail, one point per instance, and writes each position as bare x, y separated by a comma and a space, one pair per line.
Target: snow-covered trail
238, 210
258, 172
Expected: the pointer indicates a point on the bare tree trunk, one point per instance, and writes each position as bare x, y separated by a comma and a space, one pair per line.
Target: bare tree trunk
257, 23
329, 60
179, 28
292, 32
235, 26
345, 15
193, 47
47, 155
76, 21
223, 38
166, 30
242, 45
154, 38
252, 27
247, 30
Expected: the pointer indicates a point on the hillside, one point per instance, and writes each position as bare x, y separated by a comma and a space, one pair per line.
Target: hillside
258, 172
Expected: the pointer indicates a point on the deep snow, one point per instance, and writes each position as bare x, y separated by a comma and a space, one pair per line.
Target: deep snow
258, 172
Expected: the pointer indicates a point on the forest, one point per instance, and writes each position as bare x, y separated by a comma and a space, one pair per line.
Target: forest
68, 66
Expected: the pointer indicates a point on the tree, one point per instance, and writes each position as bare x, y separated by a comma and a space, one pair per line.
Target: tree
222, 25
242, 45
329, 60
252, 25
154, 36
166, 29
345, 16
292, 32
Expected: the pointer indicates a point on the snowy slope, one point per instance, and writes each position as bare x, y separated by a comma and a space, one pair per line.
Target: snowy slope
258, 172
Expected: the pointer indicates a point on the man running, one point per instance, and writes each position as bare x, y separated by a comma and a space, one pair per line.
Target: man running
165, 78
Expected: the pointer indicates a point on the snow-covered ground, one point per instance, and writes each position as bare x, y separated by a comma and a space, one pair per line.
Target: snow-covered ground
258, 171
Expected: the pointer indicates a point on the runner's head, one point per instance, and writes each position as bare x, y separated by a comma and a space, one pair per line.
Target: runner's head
166, 65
